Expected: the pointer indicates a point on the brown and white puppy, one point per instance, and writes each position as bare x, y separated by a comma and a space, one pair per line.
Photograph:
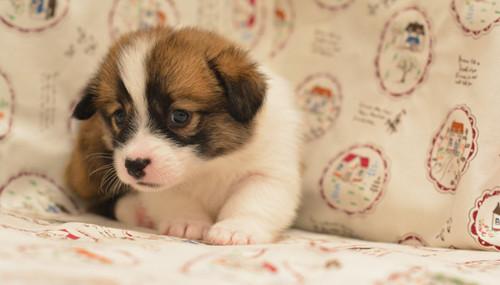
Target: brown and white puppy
207, 142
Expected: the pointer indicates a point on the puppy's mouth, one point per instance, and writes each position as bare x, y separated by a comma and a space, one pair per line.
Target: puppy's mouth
149, 185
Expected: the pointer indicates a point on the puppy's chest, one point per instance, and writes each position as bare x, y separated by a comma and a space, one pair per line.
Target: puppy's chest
211, 191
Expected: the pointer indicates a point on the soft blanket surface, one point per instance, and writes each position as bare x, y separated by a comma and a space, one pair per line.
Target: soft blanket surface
36, 251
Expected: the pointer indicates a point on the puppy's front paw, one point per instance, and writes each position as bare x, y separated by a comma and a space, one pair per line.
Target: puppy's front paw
193, 230
130, 211
237, 232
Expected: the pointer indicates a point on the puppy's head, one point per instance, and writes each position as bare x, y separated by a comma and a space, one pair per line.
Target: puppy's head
170, 101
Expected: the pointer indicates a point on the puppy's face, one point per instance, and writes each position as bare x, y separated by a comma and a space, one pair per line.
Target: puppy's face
170, 101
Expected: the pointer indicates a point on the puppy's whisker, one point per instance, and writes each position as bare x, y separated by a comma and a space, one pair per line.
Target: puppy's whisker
98, 155
120, 187
105, 180
99, 159
111, 185
102, 168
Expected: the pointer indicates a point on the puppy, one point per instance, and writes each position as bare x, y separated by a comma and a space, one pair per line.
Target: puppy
205, 140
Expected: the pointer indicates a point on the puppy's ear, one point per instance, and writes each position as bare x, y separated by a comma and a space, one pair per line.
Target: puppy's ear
244, 87
86, 106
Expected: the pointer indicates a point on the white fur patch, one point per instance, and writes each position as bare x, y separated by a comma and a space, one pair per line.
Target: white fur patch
133, 71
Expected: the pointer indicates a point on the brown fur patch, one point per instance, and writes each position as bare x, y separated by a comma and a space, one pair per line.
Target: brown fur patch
87, 169
203, 73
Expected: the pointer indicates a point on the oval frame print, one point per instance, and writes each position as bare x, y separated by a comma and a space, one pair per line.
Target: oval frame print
412, 239
476, 17
146, 14
404, 53
484, 219
354, 181
283, 25
334, 5
453, 147
243, 21
248, 20
33, 16
320, 98
7, 97
36, 193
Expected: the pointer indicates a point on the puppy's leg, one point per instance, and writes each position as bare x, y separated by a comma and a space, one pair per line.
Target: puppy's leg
129, 210
178, 215
259, 209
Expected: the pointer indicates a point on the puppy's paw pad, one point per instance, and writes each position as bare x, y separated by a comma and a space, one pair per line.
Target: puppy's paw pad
193, 230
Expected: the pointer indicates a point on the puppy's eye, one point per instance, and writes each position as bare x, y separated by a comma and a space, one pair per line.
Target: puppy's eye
179, 118
119, 117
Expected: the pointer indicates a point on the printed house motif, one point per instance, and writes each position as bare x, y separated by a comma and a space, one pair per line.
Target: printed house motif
43, 9
352, 168
353, 181
456, 138
450, 155
452, 149
283, 24
496, 219
404, 52
321, 91
484, 219
415, 36
128, 16
319, 97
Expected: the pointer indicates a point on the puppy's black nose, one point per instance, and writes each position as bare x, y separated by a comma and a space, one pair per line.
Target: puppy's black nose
136, 167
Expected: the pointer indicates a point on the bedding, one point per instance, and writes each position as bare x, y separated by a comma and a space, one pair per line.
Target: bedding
50, 251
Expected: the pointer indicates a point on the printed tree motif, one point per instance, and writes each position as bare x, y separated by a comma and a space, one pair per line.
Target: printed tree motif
404, 52
406, 64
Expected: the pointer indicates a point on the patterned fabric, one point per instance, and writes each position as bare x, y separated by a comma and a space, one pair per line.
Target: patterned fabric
54, 252
401, 114
401, 110
400, 104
